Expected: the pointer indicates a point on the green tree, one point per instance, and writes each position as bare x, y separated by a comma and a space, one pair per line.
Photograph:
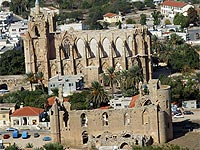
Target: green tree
53, 146
40, 76
29, 145
138, 5
167, 22
12, 147
119, 24
12, 63
79, 101
110, 78
97, 95
156, 17
30, 77
143, 19
55, 91
180, 19
130, 21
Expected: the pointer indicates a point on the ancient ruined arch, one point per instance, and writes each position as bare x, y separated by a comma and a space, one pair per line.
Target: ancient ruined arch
85, 137
79, 68
119, 47
3, 86
65, 49
67, 69
124, 146
106, 48
105, 119
145, 117
129, 46
80, 44
53, 70
118, 67
84, 120
93, 51
104, 66
126, 119
137, 44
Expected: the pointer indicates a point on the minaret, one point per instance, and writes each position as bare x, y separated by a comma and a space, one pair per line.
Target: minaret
37, 7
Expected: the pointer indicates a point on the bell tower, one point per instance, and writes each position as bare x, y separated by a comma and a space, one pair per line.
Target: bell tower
37, 41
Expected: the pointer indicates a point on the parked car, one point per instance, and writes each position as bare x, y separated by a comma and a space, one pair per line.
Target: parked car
11, 129
6, 136
15, 134
24, 135
36, 135
188, 113
178, 116
46, 138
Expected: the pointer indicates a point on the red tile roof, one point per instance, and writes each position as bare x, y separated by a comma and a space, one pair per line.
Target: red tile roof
51, 100
28, 111
174, 3
109, 15
132, 103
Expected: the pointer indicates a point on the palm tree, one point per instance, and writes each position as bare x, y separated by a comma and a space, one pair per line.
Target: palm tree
135, 75
12, 147
110, 78
40, 77
31, 78
53, 146
97, 94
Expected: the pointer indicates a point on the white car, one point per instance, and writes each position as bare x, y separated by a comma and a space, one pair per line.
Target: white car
178, 116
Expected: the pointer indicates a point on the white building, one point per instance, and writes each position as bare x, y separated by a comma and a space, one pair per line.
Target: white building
171, 8
112, 18
189, 104
1, 1
157, 2
5, 19
120, 102
75, 26
18, 28
69, 83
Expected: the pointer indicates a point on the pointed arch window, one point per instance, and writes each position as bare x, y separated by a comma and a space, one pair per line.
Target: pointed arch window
37, 33
105, 119
84, 120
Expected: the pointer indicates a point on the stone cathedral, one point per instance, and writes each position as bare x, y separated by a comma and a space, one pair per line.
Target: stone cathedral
87, 52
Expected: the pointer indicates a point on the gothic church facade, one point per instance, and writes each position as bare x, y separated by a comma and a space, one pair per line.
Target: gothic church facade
87, 52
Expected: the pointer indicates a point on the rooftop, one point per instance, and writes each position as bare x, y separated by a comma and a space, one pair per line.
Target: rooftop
174, 3
109, 15
28, 111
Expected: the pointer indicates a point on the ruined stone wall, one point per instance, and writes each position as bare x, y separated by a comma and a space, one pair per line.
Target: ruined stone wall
136, 121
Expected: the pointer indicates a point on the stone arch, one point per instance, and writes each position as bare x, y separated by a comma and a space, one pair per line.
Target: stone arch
145, 117
67, 69
106, 48
3, 86
53, 70
93, 48
80, 69
124, 146
80, 44
85, 137
147, 102
137, 44
126, 119
104, 66
36, 31
84, 120
105, 119
119, 47
130, 46
65, 47
118, 67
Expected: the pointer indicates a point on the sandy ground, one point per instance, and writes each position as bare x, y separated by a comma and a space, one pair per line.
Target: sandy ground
37, 142
184, 137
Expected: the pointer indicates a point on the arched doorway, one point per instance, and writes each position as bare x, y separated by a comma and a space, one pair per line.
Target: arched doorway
3, 86
124, 146
85, 137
